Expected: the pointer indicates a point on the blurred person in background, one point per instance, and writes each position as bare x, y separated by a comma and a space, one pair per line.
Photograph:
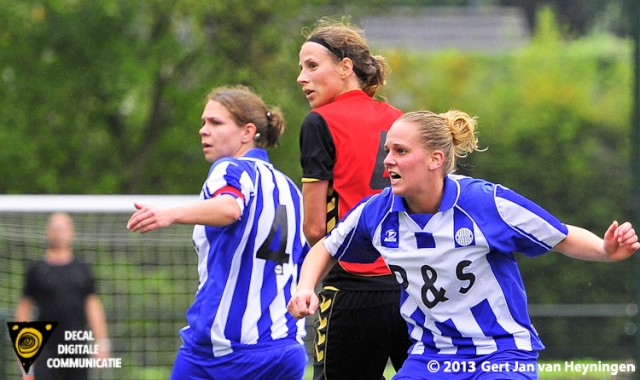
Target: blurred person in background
250, 244
62, 289
359, 328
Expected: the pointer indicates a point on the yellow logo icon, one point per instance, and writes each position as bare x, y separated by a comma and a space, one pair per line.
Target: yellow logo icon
324, 305
322, 322
28, 339
319, 354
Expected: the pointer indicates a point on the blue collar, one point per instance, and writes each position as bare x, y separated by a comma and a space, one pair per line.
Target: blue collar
257, 153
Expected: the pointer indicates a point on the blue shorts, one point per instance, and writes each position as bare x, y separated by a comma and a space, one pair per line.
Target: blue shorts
284, 359
498, 365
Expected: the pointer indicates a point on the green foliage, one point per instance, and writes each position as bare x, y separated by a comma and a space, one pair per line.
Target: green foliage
105, 96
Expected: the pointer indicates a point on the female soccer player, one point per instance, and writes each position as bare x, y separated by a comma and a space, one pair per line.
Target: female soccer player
359, 327
248, 235
450, 241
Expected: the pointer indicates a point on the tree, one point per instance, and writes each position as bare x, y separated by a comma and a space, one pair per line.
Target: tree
104, 96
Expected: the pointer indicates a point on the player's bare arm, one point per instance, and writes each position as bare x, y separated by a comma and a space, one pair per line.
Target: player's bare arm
619, 243
219, 211
315, 210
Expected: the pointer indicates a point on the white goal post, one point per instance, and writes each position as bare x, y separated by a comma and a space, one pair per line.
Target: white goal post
87, 203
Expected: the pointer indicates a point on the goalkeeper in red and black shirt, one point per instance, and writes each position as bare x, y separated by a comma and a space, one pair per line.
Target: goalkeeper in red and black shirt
359, 327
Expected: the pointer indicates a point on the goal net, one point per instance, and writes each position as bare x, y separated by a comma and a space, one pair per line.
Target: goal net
146, 282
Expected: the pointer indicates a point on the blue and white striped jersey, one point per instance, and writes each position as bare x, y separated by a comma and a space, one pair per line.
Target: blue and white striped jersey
462, 290
248, 269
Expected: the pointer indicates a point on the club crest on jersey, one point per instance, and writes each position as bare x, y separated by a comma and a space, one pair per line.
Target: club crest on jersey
464, 237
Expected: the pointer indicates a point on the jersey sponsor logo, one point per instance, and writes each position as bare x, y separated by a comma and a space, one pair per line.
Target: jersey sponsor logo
430, 293
464, 237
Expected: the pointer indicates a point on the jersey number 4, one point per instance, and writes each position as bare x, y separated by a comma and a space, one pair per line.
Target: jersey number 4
274, 247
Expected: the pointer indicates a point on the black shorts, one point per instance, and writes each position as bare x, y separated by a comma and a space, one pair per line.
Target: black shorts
357, 332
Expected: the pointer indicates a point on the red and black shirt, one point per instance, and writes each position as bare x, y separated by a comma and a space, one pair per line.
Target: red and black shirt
343, 142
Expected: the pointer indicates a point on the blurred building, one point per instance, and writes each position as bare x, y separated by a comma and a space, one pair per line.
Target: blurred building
489, 29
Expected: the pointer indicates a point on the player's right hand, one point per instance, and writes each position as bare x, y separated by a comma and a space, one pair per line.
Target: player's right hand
148, 218
303, 303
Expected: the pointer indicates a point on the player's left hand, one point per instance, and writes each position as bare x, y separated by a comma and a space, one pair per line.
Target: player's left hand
620, 241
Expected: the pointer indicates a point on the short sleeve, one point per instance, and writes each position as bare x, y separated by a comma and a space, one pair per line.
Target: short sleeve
317, 149
228, 177
535, 230
350, 240
30, 278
